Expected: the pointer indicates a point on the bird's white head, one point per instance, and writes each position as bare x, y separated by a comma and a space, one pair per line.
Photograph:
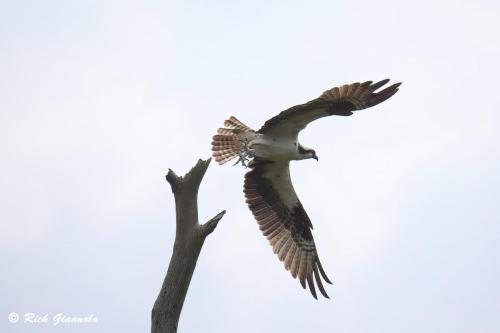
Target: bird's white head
305, 153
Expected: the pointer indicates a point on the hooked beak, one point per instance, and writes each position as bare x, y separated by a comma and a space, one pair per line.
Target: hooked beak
316, 158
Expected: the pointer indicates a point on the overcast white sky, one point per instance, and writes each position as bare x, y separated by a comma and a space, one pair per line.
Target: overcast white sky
99, 98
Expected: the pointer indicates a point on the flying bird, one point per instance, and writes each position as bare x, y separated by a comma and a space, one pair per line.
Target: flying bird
268, 187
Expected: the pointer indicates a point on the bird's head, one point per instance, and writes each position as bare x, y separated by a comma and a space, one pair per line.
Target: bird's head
306, 153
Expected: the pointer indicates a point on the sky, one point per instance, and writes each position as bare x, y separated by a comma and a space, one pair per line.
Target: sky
98, 99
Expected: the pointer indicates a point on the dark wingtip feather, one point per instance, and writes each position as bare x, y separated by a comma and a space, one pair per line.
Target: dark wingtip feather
378, 84
323, 274
383, 95
310, 283
318, 282
302, 281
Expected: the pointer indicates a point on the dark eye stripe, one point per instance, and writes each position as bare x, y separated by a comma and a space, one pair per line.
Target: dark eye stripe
303, 151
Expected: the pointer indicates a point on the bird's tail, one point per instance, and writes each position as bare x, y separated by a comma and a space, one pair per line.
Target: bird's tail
229, 142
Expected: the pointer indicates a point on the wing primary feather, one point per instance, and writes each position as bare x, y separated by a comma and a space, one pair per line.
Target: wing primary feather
303, 269
335, 92
379, 84
273, 231
352, 88
283, 251
366, 84
319, 283
302, 280
257, 205
322, 271
289, 257
280, 242
310, 283
296, 262
343, 90
358, 90
389, 89
383, 95
267, 222
264, 225
275, 237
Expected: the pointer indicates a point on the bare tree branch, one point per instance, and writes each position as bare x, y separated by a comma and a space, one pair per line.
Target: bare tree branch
211, 224
189, 239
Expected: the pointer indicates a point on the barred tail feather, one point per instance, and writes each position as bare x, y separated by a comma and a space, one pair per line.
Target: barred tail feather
227, 143
234, 123
225, 147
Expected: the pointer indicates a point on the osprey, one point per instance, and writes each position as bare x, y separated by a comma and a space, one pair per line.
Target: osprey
268, 188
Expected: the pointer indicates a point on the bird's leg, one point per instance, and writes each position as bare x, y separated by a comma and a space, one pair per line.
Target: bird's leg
243, 159
248, 151
246, 155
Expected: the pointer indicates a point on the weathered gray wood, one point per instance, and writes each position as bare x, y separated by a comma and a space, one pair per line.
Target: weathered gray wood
189, 239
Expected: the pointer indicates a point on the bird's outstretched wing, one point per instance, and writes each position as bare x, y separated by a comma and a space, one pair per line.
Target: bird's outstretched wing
282, 219
340, 101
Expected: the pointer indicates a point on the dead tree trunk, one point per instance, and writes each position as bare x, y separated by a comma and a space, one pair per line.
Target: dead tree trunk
189, 238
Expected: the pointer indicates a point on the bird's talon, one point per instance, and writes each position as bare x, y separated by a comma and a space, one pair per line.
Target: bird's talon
246, 155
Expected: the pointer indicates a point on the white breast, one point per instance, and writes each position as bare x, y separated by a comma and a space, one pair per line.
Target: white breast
272, 148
